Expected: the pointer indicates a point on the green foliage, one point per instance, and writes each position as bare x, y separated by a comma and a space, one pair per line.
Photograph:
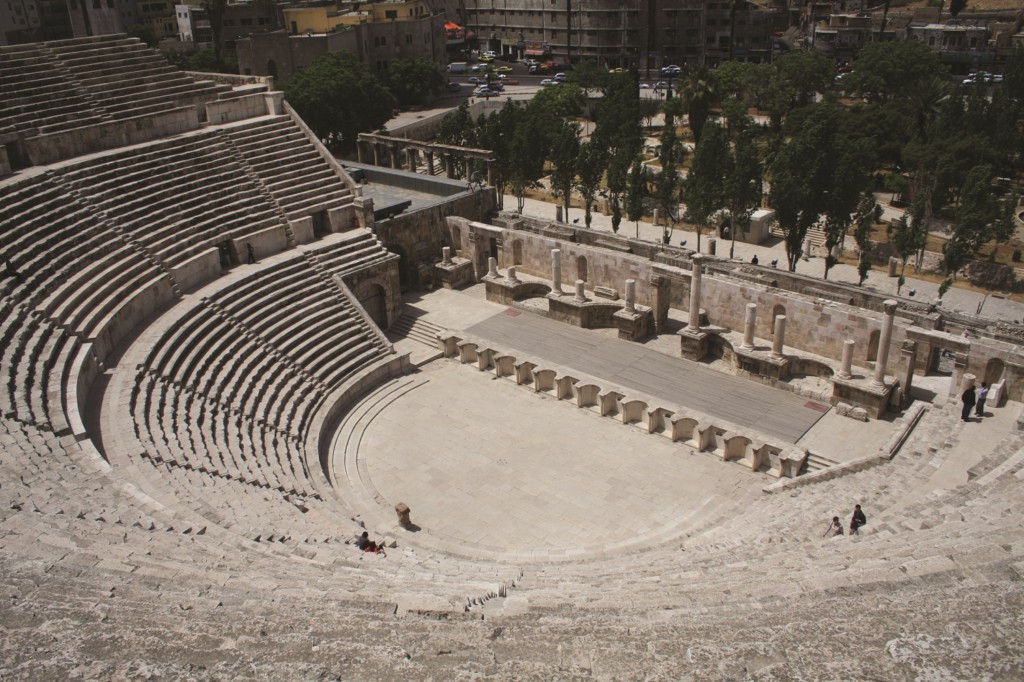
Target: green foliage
893, 70
589, 75
457, 127
802, 174
980, 218
205, 60
852, 160
704, 187
593, 158
700, 96
635, 185
670, 156
143, 32
339, 98
743, 188
413, 81
566, 100
649, 108
565, 150
956, 6
944, 287
806, 73
863, 268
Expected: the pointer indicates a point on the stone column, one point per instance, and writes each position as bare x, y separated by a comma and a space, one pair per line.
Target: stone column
492, 173
430, 163
847, 370
411, 153
581, 295
780, 333
558, 214
556, 271
446, 255
511, 274
630, 295
712, 246
694, 323
450, 164
492, 267
376, 154
749, 320
968, 381
878, 381
361, 151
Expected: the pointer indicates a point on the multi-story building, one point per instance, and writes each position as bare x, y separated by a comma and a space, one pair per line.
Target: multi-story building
646, 34
239, 20
377, 33
844, 35
956, 43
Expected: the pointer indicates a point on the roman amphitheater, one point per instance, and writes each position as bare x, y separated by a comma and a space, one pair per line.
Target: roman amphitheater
225, 355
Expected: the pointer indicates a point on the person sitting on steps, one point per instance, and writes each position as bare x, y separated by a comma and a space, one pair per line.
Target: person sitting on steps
365, 544
835, 528
857, 520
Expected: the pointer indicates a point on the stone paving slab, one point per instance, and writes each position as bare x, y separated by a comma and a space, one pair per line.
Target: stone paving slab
687, 384
486, 465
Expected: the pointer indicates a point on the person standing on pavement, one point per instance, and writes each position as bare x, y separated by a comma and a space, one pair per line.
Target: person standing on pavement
968, 400
982, 396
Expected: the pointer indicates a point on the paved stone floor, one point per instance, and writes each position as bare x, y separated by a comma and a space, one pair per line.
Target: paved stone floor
677, 381
492, 468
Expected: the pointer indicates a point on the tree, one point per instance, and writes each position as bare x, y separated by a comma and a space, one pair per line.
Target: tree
589, 169
852, 159
670, 155
801, 175
699, 95
561, 102
864, 220
618, 129
526, 151
589, 74
906, 239
413, 81
980, 218
215, 13
893, 70
492, 135
743, 184
635, 193
704, 186
565, 150
339, 98
956, 6
457, 127
803, 74
649, 108
143, 32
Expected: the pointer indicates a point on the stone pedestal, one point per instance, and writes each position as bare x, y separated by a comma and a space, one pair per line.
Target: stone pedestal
778, 342
455, 274
402, 509
581, 295
694, 344
761, 364
875, 400
635, 324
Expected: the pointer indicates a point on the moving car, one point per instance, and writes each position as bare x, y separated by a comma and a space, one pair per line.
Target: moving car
549, 81
671, 70
485, 92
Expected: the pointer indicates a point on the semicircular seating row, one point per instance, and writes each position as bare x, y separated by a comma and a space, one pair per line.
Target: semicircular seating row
230, 389
94, 242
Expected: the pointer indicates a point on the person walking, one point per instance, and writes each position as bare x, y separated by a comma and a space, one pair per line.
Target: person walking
982, 396
969, 401
857, 520
252, 253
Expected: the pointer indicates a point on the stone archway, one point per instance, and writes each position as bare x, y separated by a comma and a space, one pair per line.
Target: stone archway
581, 268
517, 252
994, 371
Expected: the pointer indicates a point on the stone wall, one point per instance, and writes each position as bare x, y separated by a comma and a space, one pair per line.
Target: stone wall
46, 149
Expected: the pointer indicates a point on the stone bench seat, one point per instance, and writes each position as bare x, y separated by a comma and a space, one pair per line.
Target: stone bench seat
362, 259
150, 185
43, 102
134, 85
82, 296
298, 171
139, 73
300, 184
248, 216
121, 163
279, 154
46, 283
28, 232
143, 99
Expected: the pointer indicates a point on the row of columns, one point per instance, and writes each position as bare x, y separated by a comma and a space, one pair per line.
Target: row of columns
749, 320
393, 151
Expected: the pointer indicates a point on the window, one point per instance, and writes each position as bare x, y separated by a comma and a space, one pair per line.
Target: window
391, 14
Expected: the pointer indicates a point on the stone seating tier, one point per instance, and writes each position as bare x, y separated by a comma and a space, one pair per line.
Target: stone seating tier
289, 165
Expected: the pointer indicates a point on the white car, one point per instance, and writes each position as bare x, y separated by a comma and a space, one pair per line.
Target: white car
559, 77
549, 81
646, 86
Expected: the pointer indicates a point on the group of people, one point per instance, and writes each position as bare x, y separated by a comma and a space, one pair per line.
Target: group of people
365, 544
856, 521
975, 402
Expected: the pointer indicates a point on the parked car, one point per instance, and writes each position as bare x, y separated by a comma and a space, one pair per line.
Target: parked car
646, 86
504, 69
478, 68
510, 81
661, 85
549, 81
454, 87
485, 92
671, 70
496, 85
559, 77
477, 79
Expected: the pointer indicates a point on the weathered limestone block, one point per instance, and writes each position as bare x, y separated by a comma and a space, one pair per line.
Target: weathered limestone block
848, 410
402, 510
633, 411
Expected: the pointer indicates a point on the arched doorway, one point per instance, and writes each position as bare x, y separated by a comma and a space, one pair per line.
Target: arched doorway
873, 345
581, 268
517, 252
994, 371
375, 302
272, 69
